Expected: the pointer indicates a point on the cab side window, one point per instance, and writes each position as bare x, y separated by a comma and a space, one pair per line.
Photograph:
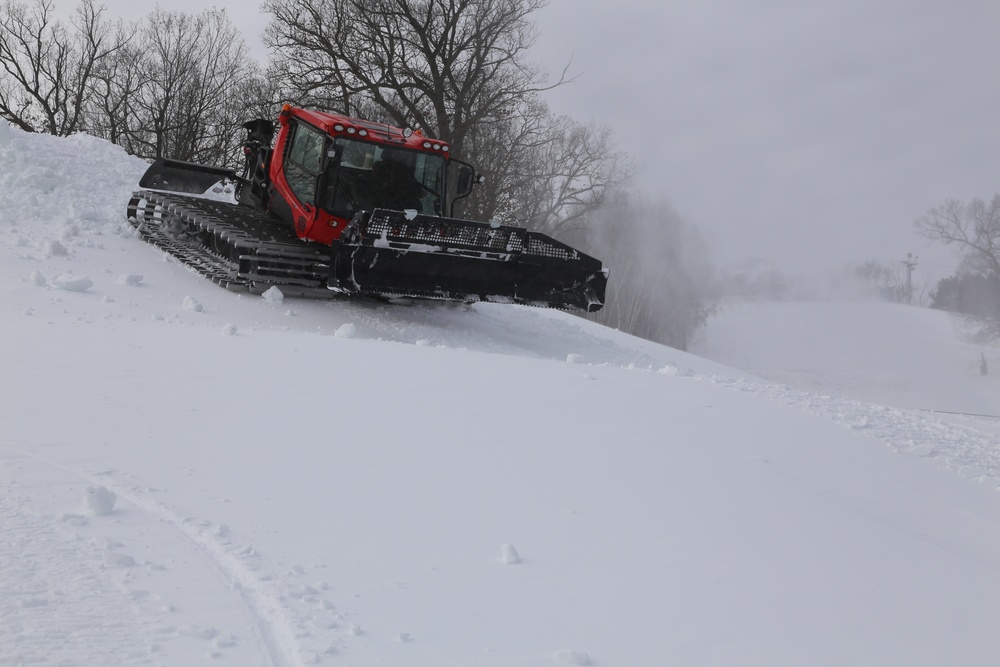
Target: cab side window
303, 163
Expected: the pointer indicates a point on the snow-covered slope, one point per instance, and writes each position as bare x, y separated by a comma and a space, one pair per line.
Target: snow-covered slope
886, 353
192, 477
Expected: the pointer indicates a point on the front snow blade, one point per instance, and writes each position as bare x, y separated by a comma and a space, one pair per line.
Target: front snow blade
392, 253
178, 176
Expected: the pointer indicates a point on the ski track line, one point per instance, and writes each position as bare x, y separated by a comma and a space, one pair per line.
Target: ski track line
971, 453
265, 607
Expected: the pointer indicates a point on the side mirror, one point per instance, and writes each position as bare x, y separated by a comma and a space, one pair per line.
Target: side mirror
467, 178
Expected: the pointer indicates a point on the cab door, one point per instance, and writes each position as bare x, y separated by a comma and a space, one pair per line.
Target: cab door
302, 168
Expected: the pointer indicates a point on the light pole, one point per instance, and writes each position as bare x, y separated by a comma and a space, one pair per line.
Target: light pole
910, 263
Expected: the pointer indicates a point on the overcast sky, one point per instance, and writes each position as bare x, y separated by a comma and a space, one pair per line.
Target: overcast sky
810, 134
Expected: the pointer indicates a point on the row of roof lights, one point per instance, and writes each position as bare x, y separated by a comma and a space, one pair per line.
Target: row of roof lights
437, 147
351, 130
339, 127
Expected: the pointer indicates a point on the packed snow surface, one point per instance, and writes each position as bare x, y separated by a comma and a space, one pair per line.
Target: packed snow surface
189, 476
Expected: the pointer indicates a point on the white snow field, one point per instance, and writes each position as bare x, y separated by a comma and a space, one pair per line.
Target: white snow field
883, 353
193, 477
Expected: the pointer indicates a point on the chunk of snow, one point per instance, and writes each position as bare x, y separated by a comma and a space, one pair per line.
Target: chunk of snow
669, 369
191, 304
509, 555
346, 331
403, 637
273, 295
71, 283
410, 213
37, 278
129, 279
52, 248
575, 358
229, 329
99, 499
572, 657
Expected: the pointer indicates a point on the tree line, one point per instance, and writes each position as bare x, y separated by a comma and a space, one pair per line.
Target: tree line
180, 85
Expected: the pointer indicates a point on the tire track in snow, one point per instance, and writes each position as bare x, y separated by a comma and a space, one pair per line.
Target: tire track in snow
971, 453
232, 563
272, 630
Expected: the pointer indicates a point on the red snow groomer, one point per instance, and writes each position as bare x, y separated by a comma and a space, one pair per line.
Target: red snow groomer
346, 206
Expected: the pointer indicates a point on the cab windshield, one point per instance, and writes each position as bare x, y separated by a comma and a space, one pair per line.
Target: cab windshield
373, 176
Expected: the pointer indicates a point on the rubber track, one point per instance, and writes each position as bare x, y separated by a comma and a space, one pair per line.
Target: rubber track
234, 246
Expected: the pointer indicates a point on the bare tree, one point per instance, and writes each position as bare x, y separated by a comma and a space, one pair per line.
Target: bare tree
545, 172
112, 106
181, 99
973, 227
566, 172
47, 68
446, 66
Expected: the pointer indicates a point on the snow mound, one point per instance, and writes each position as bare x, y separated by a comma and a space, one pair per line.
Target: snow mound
273, 295
71, 283
509, 555
346, 331
192, 305
129, 279
99, 500
53, 248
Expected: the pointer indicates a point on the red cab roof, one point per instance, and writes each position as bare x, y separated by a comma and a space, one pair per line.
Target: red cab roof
337, 125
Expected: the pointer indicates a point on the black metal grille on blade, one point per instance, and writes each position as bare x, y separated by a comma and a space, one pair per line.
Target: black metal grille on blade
394, 226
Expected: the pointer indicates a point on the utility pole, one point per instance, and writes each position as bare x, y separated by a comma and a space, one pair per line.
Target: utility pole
910, 263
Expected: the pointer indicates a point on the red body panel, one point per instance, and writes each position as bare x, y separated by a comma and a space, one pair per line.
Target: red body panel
312, 223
